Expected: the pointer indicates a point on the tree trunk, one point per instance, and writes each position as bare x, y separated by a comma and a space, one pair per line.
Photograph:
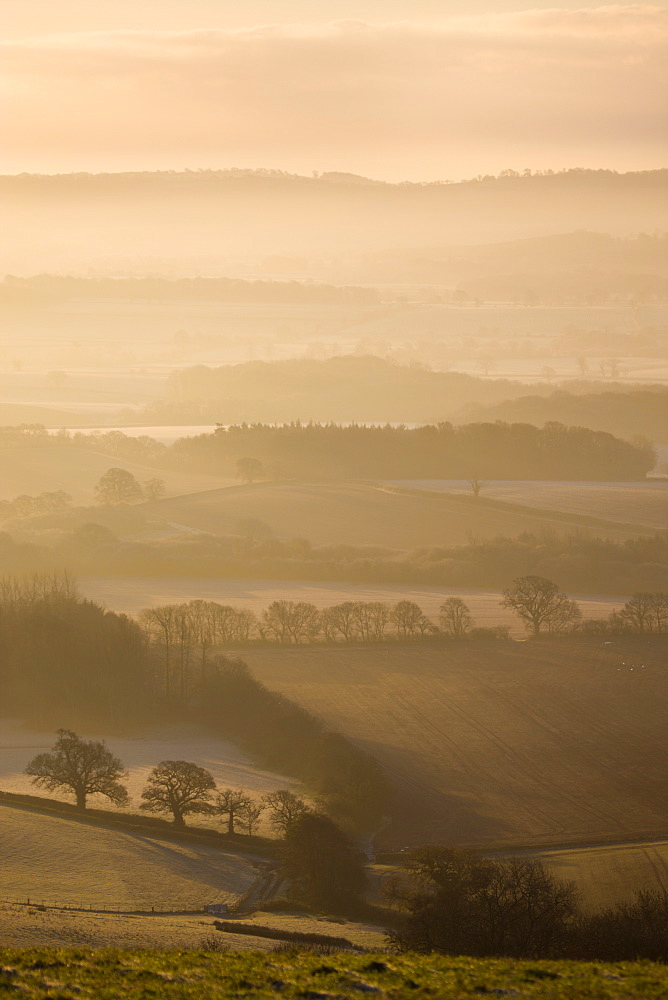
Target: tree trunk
81, 800
230, 824
178, 819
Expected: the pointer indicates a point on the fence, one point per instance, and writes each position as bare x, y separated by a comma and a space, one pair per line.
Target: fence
37, 903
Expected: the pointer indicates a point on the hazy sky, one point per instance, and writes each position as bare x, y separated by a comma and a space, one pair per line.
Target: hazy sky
422, 90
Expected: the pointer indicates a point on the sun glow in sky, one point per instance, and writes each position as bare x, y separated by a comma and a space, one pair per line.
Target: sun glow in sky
426, 90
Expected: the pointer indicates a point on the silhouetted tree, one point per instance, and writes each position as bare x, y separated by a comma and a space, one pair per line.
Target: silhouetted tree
541, 605
249, 815
249, 470
291, 621
154, 488
117, 486
86, 767
229, 804
462, 904
321, 864
285, 808
180, 788
455, 617
409, 619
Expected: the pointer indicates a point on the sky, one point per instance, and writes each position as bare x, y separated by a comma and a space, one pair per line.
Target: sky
427, 90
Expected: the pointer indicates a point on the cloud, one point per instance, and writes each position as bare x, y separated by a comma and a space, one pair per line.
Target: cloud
572, 84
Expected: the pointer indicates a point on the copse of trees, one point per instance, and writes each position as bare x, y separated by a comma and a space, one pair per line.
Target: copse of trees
320, 863
499, 450
24, 505
64, 657
457, 902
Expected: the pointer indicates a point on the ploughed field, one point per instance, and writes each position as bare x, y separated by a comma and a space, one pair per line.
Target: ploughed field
360, 514
490, 743
642, 503
60, 861
606, 874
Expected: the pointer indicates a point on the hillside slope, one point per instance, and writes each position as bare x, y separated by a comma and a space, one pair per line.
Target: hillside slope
489, 743
54, 859
355, 514
41, 468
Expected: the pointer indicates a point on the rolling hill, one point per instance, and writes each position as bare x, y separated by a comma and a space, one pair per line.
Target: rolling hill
532, 743
34, 470
58, 860
359, 514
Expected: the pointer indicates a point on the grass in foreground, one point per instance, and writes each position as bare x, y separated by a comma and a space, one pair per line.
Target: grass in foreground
201, 975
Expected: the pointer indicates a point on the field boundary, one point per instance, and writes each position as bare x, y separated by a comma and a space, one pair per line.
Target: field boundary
40, 904
504, 507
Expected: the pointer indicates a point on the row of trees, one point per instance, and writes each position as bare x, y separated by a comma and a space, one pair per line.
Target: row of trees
318, 859
185, 635
581, 562
497, 450
25, 505
177, 787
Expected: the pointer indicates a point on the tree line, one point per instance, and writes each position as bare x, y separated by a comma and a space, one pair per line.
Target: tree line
65, 658
441, 451
583, 563
179, 788
183, 636
49, 288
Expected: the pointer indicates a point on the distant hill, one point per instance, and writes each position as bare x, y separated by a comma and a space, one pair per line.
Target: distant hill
341, 389
140, 220
638, 412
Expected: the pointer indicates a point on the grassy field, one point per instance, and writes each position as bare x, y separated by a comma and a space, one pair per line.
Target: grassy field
230, 767
130, 594
77, 470
39, 974
606, 874
644, 503
357, 514
58, 860
27, 926
492, 743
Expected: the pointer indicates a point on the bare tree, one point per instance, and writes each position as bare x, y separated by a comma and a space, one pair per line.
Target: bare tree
645, 612
455, 617
291, 621
229, 804
339, 621
249, 816
117, 486
161, 627
371, 618
86, 767
476, 485
409, 619
180, 788
541, 605
285, 808
154, 488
